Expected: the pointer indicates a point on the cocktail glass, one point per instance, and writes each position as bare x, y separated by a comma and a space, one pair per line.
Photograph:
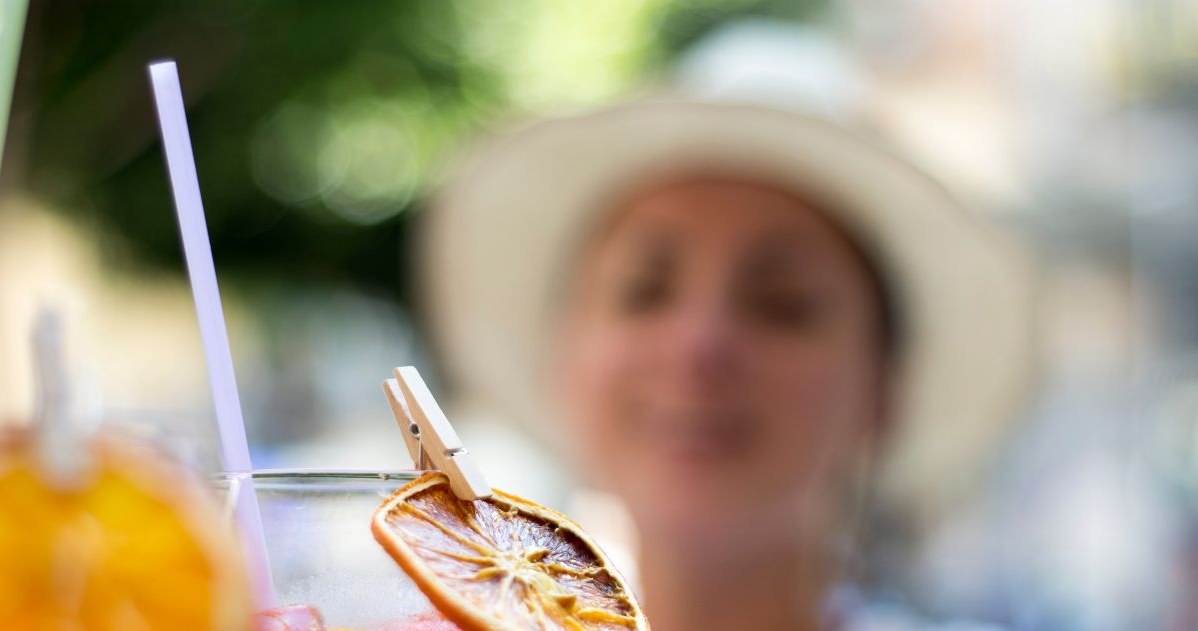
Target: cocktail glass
322, 553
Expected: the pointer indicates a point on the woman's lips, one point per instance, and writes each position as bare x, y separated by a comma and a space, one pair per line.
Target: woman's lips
701, 436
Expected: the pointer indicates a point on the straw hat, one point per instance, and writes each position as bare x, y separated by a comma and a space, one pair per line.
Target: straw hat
506, 222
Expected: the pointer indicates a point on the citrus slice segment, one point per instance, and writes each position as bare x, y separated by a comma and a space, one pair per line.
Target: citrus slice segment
503, 562
138, 544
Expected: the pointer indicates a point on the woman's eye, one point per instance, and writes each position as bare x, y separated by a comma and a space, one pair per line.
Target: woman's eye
785, 308
642, 294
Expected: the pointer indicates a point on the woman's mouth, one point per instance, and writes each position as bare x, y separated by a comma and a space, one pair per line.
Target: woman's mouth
699, 436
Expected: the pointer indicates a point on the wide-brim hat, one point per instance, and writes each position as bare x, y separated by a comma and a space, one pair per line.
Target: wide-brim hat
506, 225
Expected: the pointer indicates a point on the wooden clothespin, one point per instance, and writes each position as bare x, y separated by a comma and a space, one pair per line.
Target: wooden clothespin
407, 425
431, 440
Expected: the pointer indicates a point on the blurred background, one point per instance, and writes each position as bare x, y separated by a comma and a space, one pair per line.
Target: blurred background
320, 128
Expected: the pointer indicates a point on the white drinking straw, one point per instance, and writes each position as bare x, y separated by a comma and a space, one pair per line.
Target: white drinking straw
234, 449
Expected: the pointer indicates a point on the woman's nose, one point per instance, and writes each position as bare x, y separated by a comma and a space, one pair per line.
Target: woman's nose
701, 345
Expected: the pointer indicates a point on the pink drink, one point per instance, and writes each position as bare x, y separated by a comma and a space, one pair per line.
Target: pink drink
308, 618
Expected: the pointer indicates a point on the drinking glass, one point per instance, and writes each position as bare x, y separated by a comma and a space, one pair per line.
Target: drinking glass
322, 553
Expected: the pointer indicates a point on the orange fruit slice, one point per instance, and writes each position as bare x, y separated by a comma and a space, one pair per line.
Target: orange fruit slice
137, 544
503, 562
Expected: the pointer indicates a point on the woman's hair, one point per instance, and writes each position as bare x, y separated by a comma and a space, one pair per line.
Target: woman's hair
890, 325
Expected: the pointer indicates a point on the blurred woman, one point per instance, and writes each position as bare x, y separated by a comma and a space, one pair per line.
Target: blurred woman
742, 320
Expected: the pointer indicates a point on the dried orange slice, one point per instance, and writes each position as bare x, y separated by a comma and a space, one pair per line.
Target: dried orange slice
137, 544
503, 562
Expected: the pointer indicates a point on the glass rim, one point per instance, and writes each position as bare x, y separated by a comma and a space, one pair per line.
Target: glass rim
308, 473
313, 472
233, 483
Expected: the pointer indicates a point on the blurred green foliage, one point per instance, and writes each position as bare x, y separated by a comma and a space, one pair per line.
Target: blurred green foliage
316, 125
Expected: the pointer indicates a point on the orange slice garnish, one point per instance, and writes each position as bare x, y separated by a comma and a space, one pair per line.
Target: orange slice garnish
503, 562
137, 544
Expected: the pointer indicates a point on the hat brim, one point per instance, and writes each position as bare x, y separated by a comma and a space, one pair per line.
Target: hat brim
507, 222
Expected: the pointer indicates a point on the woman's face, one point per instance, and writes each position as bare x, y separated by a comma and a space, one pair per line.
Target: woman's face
720, 363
